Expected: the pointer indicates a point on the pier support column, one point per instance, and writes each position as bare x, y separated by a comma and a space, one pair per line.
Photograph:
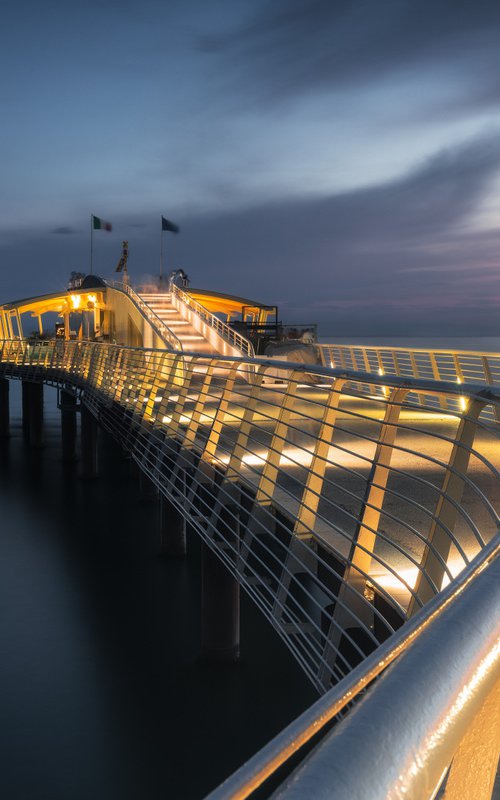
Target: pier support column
89, 444
220, 610
25, 393
4, 408
34, 400
172, 529
148, 489
68, 426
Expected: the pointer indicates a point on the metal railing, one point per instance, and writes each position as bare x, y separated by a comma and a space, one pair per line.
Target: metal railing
225, 331
460, 366
340, 514
430, 723
171, 340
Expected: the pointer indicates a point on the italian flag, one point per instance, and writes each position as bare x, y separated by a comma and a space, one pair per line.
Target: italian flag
99, 224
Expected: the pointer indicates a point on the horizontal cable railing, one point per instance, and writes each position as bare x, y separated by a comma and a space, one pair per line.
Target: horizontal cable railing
224, 330
464, 366
171, 340
341, 514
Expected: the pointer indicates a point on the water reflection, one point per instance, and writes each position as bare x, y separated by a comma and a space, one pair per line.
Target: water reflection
101, 690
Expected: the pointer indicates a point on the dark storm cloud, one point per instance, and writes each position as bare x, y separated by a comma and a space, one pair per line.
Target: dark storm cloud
297, 45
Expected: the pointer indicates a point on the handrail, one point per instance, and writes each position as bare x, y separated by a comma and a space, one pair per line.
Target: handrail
413, 743
313, 722
225, 331
387, 348
449, 365
163, 330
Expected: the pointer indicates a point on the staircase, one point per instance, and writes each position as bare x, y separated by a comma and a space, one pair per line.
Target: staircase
163, 307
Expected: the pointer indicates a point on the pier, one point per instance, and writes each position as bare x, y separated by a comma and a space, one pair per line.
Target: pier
355, 498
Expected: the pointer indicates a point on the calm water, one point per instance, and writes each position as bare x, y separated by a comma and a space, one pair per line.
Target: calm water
101, 691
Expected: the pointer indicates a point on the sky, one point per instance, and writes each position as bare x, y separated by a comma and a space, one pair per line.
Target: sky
338, 159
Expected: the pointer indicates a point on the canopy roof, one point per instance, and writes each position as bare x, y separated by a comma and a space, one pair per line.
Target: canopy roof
227, 303
57, 301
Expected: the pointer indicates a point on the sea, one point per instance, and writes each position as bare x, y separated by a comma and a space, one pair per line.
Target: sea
102, 690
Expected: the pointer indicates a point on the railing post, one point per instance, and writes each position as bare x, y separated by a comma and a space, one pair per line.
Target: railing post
309, 502
267, 481
218, 423
439, 541
354, 360
353, 609
203, 394
437, 376
177, 413
364, 539
489, 380
241, 443
169, 381
149, 412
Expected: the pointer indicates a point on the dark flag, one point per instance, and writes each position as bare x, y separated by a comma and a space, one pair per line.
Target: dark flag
166, 225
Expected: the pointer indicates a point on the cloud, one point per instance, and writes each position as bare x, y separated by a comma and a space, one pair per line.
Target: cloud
294, 46
64, 230
398, 258
401, 253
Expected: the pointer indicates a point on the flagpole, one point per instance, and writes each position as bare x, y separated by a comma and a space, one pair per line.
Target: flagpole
161, 249
91, 243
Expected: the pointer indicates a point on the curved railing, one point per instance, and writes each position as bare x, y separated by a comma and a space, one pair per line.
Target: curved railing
341, 515
225, 331
460, 366
430, 724
171, 340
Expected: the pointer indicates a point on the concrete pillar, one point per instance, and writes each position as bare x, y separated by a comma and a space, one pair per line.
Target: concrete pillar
25, 391
220, 610
68, 426
4, 409
35, 415
172, 529
89, 444
148, 489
